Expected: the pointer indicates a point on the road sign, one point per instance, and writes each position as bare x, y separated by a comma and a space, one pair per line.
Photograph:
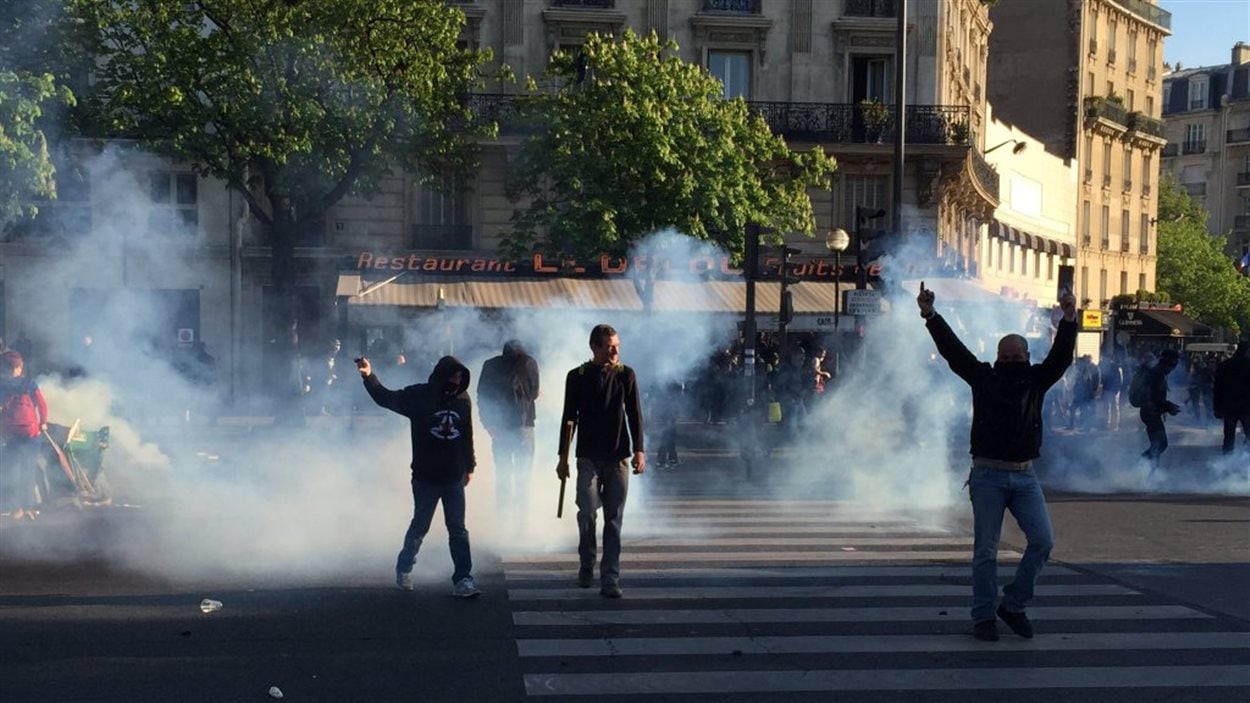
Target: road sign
863, 302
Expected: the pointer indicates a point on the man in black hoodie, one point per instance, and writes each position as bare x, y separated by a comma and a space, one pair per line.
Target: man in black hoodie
441, 424
601, 400
506, 391
1232, 395
1006, 438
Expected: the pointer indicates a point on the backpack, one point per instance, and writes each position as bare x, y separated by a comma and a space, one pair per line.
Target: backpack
1139, 389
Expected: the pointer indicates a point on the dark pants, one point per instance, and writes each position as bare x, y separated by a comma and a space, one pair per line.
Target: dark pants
668, 443
601, 483
425, 498
513, 448
20, 473
1157, 433
1230, 430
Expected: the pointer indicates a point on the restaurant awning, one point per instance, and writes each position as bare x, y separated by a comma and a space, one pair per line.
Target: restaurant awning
1029, 240
611, 294
1160, 323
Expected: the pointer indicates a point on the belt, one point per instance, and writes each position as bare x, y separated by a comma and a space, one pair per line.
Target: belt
980, 462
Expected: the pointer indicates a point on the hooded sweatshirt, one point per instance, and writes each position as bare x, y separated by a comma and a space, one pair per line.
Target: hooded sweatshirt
441, 421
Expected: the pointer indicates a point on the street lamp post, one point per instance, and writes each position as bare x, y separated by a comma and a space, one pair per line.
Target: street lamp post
836, 241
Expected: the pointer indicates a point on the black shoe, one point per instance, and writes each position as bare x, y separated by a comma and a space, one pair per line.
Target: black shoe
611, 591
1018, 622
986, 630
585, 578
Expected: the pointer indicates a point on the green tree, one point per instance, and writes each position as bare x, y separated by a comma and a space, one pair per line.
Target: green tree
26, 171
293, 104
631, 139
1192, 267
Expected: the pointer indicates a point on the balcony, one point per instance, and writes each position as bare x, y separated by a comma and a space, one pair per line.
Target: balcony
1145, 124
870, 8
742, 7
590, 4
1104, 244
1238, 136
1194, 147
1086, 240
985, 174
1241, 222
1146, 189
1243, 179
1171, 150
842, 123
1124, 245
1143, 249
442, 237
1195, 189
1104, 109
1128, 186
1148, 12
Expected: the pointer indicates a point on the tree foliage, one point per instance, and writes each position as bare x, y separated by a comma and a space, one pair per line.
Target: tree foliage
630, 139
1192, 267
293, 104
26, 171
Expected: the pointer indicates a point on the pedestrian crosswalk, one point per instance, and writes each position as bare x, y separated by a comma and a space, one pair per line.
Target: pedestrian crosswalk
778, 599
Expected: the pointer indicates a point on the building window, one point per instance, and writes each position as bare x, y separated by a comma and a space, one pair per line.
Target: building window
1141, 281
864, 191
442, 216
1128, 168
1123, 282
1150, 106
1102, 286
1085, 281
1146, 162
1195, 133
1106, 163
1002, 249
1106, 227
1050, 267
1198, 88
1111, 27
173, 203
1089, 158
1124, 230
1011, 262
1085, 234
1090, 84
1132, 99
733, 68
1024, 261
872, 78
1167, 95
1144, 235
1037, 264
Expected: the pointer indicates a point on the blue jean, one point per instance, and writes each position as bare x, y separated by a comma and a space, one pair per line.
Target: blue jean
425, 498
601, 483
994, 491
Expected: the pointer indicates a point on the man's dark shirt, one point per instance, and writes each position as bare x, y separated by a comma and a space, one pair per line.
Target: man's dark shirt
604, 405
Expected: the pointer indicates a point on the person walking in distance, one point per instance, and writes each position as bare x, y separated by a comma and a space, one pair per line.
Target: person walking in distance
23, 417
506, 393
1006, 438
441, 424
1232, 395
1155, 403
601, 400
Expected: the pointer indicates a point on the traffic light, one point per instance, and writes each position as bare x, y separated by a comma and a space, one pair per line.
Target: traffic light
787, 307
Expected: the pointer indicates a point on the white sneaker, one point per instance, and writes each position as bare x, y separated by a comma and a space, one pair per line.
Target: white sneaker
403, 580
465, 588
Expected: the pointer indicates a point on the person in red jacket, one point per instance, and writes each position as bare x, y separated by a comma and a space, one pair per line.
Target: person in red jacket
23, 417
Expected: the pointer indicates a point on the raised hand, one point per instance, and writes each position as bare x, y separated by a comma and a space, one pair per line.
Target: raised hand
1067, 302
925, 301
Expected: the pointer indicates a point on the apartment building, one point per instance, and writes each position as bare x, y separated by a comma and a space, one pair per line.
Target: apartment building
1207, 116
1093, 72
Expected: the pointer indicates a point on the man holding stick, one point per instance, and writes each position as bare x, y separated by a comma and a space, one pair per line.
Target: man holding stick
601, 402
1006, 438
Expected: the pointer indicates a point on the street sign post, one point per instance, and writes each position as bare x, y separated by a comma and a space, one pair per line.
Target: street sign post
863, 302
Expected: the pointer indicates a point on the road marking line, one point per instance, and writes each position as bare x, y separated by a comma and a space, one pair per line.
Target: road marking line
961, 571
629, 557
832, 591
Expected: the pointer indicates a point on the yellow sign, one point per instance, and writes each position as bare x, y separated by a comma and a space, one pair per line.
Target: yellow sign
1091, 319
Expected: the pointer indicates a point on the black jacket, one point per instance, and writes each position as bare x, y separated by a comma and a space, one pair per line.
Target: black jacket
604, 406
1232, 387
441, 422
1006, 400
506, 391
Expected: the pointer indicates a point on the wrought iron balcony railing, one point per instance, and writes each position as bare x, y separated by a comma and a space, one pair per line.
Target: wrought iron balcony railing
1241, 222
870, 8
1102, 108
1141, 122
1124, 244
985, 173
1194, 147
746, 7
1243, 178
592, 4
1128, 185
1195, 189
1237, 136
1171, 150
845, 123
1146, 190
1143, 249
1106, 180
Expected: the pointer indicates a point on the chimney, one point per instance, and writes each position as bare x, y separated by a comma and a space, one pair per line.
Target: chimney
1241, 53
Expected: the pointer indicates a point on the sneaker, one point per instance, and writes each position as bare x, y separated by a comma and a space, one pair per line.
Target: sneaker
403, 580
465, 588
611, 590
986, 630
1018, 622
585, 578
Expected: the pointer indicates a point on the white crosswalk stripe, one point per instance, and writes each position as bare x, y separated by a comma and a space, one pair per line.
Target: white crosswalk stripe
854, 601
